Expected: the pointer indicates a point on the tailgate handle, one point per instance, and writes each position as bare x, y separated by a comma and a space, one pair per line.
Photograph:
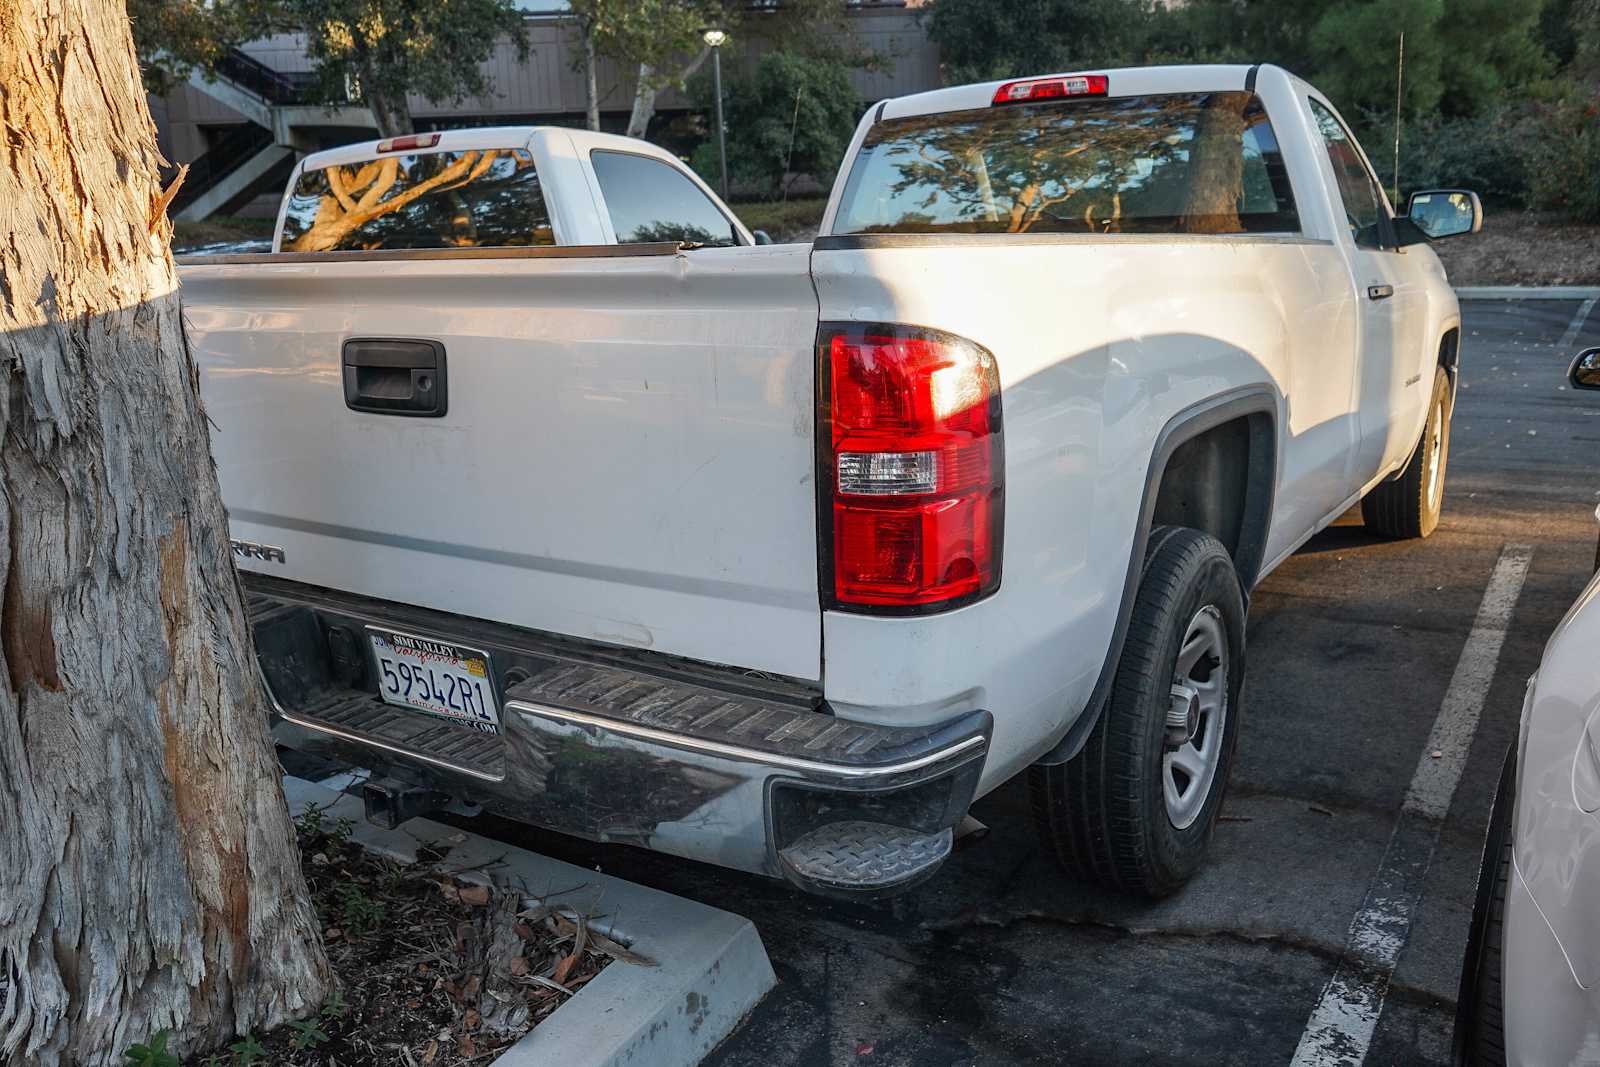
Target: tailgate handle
394, 376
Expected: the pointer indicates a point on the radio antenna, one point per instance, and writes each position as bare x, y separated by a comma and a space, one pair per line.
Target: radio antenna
1399, 82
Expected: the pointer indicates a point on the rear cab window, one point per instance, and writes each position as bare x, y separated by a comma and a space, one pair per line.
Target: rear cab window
650, 201
475, 198
1168, 163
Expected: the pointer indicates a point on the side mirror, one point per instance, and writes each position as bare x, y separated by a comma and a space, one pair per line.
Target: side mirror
1440, 213
1585, 372
762, 237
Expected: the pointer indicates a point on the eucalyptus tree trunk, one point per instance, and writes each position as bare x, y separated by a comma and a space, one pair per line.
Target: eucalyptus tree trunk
148, 873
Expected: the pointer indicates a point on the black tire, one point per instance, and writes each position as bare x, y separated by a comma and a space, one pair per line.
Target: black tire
1104, 814
1480, 1037
1409, 506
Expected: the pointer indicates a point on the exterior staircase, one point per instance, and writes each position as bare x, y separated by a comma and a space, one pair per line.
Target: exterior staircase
280, 126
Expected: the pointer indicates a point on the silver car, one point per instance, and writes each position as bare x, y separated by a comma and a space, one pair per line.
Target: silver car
1530, 985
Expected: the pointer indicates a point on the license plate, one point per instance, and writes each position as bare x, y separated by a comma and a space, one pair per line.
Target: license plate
450, 682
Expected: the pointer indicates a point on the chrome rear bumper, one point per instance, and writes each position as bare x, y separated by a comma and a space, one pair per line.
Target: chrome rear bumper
693, 762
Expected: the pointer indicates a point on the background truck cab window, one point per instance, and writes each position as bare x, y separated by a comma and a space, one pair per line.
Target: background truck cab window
1359, 196
477, 198
1173, 163
650, 201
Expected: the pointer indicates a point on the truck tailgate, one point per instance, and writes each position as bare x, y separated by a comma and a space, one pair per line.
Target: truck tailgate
627, 454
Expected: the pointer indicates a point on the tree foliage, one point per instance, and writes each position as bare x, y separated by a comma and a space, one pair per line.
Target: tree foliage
388, 49
1462, 56
664, 39
981, 40
174, 37
791, 115
1500, 94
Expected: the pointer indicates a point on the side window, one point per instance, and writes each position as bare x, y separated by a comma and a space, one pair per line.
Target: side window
1360, 198
650, 201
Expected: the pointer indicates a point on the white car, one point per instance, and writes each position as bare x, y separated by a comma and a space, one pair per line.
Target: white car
1530, 984
558, 495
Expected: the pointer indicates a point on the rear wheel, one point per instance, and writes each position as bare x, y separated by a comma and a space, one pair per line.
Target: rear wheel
1135, 809
1408, 506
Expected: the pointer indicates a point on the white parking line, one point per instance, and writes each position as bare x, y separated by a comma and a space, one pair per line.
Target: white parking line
1575, 327
1346, 1016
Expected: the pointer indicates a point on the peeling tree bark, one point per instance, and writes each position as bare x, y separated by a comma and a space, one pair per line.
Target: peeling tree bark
148, 875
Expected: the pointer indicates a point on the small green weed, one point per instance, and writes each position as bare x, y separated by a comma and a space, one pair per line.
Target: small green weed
307, 1035
334, 1007
154, 1054
310, 822
248, 1051
358, 911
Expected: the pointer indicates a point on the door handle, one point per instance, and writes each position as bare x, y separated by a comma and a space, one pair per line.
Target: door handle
395, 376
1379, 292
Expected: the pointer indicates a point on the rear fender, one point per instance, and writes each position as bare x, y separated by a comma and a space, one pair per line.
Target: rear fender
1259, 403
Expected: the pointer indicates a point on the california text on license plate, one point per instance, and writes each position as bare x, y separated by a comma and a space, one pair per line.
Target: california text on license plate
437, 678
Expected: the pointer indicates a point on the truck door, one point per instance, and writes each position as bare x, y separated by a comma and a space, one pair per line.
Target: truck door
1390, 396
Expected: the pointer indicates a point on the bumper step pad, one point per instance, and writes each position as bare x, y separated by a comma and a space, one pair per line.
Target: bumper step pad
865, 857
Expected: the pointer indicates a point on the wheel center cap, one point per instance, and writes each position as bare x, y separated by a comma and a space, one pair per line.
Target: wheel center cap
1183, 715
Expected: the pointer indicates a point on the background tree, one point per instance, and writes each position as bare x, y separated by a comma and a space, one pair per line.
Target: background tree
148, 873
981, 40
663, 40
1564, 158
388, 49
174, 37
791, 115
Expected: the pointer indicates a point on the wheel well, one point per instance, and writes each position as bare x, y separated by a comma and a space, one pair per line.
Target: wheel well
1220, 481
1450, 355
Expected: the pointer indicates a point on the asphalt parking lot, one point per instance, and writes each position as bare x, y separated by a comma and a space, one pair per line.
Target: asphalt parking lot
1353, 645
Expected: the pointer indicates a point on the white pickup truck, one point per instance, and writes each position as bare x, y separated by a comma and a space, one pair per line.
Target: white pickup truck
557, 495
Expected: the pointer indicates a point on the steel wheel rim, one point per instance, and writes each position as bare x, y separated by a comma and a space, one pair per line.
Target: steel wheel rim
1436, 456
1188, 770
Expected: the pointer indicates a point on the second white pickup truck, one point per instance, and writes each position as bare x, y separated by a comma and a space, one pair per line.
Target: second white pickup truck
558, 496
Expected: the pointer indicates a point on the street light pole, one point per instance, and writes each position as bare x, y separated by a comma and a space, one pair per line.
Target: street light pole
716, 39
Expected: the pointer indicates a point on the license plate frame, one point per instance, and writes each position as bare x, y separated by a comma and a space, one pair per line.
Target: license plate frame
444, 680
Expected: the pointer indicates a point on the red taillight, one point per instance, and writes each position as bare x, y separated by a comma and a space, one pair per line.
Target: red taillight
1052, 88
409, 142
914, 467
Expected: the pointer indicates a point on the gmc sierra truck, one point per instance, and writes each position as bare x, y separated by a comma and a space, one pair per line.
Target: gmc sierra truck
556, 494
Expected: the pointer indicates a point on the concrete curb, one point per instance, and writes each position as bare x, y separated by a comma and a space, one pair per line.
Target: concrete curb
1527, 292
710, 966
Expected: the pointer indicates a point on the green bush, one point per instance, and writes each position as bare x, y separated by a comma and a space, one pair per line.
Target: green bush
1488, 154
808, 99
795, 219
1564, 165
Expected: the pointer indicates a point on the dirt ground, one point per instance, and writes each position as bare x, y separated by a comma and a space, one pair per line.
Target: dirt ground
1522, 248
433, 972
